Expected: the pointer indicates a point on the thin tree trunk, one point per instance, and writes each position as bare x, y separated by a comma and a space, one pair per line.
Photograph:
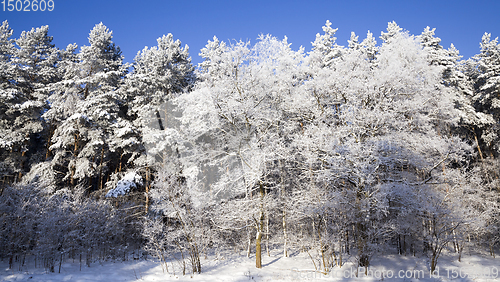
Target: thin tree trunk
49, 141
404, 244
347, 242
282, 194
72, 180
267, 235
146, 208
60, 263
121, 160
433, 262
267, 231
75, 150
460, 249
260, 227
100, 169
492, 252
339, 262
21, 165
477, 144
322, 247
249, 244
285, 235
160, 122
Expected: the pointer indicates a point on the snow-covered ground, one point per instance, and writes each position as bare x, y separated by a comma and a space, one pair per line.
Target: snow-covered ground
297, 267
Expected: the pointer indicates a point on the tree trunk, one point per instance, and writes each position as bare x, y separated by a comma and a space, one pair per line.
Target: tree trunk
285, 235
72, 180
363, 257
75, 150
282, 194
146, 208
249, 244
267, 235
100, 169
121, 161
477, 144
404, 244
49, 141
339, 261
258, 251
460, 249
433, 261
260, 227
347, 242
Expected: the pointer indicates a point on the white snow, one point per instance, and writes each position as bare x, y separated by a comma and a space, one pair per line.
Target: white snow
237, 267
77, 116
129, 181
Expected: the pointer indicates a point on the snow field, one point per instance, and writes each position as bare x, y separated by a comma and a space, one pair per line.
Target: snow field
297, 267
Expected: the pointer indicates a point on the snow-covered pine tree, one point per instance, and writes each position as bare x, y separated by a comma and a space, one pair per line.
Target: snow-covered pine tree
212, 54
27, 70
483, 73
474, 122
369, 45
457, 77
8, 94
160, 74
392, 30
85, 108
325, 48
486, 77
354, 43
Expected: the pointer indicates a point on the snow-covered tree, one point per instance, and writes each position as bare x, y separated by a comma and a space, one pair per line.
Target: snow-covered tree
26, 71
325, 48
245, 107
369, 45
86, 108
51, 227
479, 76
457, 76
160, 74
8, 96
383, 142
212, 67
393, 29
353, 41
177, 225
486, 77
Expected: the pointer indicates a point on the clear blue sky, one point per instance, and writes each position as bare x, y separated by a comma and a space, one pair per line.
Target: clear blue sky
136, 24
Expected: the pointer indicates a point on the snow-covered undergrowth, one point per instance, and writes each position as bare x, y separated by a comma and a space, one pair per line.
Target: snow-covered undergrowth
297, 267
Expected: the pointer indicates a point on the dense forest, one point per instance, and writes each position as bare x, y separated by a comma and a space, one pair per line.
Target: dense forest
386, 144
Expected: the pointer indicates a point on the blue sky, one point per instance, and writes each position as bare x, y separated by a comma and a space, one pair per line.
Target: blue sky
136, 24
